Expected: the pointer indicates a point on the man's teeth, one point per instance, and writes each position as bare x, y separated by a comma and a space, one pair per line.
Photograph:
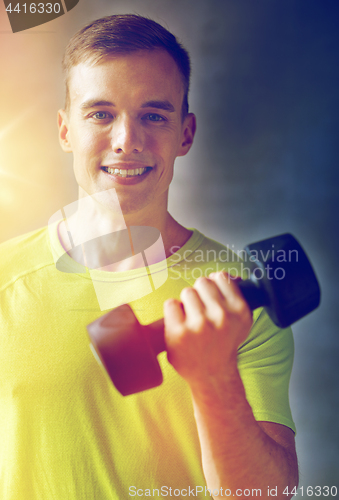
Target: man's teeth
126, 173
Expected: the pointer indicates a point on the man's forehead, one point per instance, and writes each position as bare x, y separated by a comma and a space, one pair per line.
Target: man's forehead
139, 61
152, 69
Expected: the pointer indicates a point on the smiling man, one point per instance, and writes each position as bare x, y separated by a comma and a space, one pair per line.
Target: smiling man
220, 425
125, 124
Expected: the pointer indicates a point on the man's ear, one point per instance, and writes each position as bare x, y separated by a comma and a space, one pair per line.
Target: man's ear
63, 125
189, 128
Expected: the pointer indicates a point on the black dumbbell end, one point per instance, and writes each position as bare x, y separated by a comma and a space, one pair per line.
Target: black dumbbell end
284, 279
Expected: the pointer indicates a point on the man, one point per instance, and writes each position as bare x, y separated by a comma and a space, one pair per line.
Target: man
221, 420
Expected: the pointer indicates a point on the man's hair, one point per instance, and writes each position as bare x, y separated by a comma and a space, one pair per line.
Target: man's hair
123, 34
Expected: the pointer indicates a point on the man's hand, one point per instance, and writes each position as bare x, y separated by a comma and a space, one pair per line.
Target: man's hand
204, 330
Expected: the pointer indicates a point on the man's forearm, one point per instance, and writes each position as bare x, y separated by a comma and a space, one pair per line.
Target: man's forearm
203, 334
236, 452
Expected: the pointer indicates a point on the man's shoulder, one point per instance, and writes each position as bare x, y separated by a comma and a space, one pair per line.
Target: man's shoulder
208, 250
24, 254
202, 255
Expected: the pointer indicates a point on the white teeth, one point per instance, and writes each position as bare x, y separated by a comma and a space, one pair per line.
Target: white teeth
125, 172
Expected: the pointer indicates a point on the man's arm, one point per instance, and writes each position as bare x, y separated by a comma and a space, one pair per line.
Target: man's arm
203, 334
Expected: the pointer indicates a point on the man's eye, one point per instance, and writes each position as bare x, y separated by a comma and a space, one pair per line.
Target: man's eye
101, 115
153, 117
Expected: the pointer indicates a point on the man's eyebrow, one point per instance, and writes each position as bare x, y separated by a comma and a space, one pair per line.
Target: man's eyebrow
165, 105
92, 103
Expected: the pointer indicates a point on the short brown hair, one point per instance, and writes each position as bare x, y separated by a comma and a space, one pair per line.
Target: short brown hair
122, 34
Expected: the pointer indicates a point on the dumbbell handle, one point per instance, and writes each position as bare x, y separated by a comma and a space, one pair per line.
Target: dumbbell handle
254, 296
155, 334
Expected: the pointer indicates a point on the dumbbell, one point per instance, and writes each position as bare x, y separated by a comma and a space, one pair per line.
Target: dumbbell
281, 280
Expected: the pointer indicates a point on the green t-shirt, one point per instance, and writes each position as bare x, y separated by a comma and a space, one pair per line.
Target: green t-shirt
65, 431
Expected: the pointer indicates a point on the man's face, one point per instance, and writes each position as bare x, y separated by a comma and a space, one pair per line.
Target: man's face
125, 116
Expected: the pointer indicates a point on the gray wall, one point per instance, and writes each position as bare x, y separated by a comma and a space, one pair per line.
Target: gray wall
265, 91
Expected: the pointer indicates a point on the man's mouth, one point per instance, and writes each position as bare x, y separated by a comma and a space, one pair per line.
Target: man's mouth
121, 172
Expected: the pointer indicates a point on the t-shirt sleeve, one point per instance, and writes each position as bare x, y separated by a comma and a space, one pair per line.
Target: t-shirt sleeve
265, 363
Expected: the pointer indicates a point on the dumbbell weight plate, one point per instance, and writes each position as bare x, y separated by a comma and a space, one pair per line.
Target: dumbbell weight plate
125, 351
288, 289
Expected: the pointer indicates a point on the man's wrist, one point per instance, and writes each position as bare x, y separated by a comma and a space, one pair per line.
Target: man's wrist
220, 387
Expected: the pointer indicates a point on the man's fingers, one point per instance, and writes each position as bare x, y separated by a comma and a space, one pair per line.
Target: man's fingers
192, 301
208, 291
229, 289
173, 312
216, 305
210, 301
195, 309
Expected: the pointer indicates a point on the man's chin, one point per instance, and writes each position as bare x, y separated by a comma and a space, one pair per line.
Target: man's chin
116, 202
105, 201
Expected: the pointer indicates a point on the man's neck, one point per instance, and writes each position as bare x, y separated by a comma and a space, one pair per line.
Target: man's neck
114, 237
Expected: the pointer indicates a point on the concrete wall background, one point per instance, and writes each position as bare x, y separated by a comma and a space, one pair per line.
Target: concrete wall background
265, 91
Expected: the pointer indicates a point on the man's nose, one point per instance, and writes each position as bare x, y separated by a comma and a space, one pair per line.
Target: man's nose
127, 136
